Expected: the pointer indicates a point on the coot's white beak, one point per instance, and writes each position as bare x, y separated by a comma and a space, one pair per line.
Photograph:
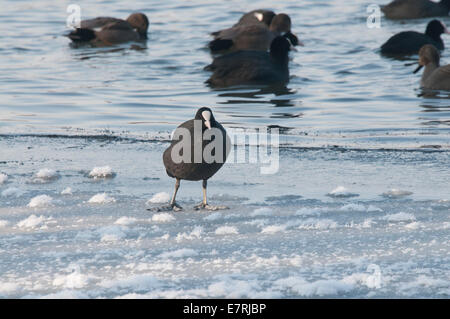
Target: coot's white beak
259, 16
445, 28
207, 116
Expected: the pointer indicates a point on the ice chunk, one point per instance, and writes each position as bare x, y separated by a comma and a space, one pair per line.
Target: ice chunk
399, 217
102, 172
226, 230
3, 178
316, 288
112, 233
71, 281
3, 223
341, 192
396, 193
125, 221
67, 191
45, 175
159, 198
162, 218
31, 222
262, 211
101, 198
272, 229
179, 253
12, 191
40, 201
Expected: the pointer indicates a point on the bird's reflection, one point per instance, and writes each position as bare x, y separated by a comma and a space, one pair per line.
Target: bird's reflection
256, 95
85, 51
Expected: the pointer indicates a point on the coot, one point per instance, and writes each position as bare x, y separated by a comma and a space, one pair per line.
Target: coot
410, 42
104, 31
252, 67
198, 150
415, 9
254, 36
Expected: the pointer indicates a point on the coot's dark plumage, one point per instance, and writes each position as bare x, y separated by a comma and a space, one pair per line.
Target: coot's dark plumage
254, 36
197, 166
255, 17
410, 42
108, 31
434, 77
415, 9
259, 16
252, 67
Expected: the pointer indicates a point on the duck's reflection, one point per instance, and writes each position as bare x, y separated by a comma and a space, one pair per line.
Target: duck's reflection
257, 95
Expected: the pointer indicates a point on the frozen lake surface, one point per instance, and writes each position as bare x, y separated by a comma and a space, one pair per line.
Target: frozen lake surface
330, 223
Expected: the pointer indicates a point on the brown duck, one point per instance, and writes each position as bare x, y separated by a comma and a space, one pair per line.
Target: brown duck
103, 31
253, 36
434, 77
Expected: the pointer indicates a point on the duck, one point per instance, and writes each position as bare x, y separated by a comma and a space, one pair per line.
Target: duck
254, 36
434, 76
255, 17
410, 42
252, 67
258, 16
416, 9
196, 164
104, 31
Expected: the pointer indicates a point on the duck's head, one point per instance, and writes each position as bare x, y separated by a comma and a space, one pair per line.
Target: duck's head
281, 23
140, 22
427, 54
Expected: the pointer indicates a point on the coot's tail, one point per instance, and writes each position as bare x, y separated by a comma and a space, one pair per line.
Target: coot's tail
81, 35
220, 45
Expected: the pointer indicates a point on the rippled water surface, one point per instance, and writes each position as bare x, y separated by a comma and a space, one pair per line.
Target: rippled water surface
339, 82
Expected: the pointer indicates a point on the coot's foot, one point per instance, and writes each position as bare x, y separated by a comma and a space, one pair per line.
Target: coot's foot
167, 208
209, 207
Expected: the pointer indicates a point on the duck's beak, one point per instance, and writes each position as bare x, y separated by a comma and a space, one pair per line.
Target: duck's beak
418, 69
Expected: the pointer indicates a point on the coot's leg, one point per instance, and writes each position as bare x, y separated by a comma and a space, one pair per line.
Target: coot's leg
173, 204
204, 203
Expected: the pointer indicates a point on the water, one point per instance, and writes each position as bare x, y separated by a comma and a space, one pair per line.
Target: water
348, 117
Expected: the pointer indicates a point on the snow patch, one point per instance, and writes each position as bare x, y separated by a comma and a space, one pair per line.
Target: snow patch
40, 201
399, 217
318, 224
31, 222
8, 287
317, 288
45, 175
101, 198
179, 253
75, 280
272, 229
162, 218
196, 233
67, 191
396, 193
262, 211
3, 178
159, 198
3, 223
125, 221
101, 172
341, 192
226, 230
111, 233
12, 191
